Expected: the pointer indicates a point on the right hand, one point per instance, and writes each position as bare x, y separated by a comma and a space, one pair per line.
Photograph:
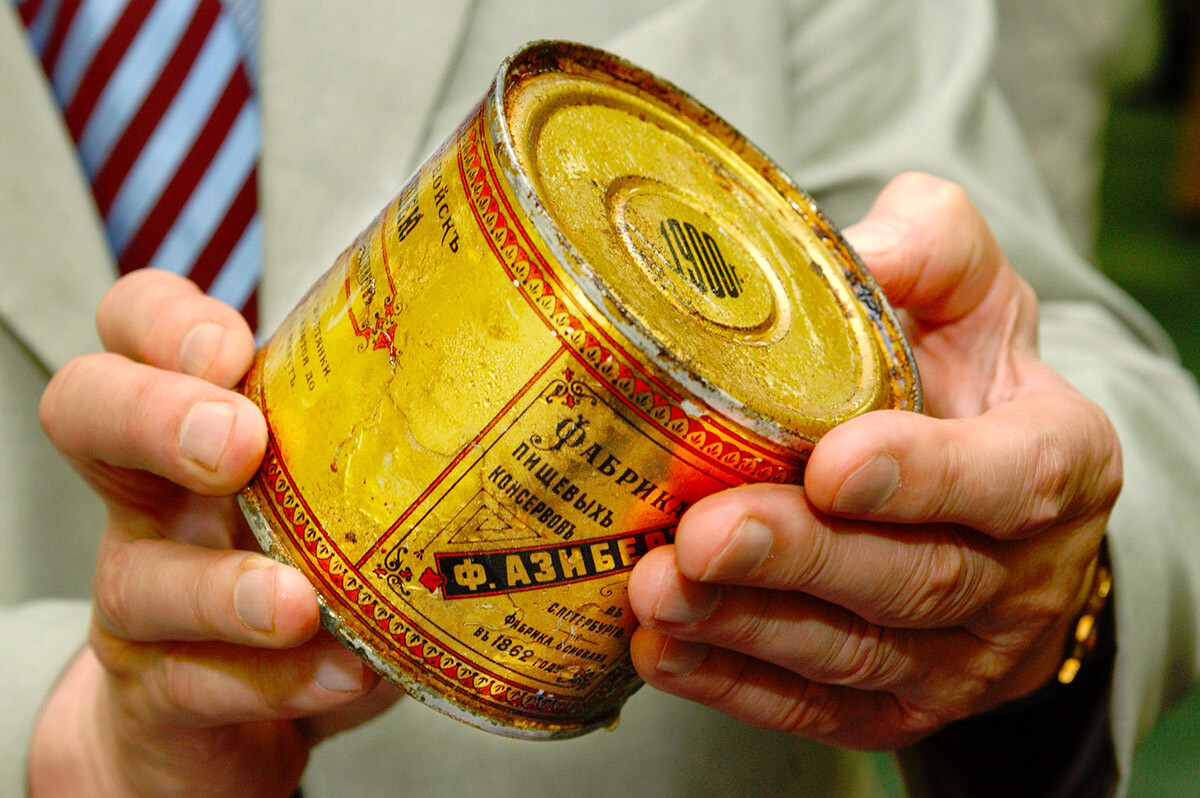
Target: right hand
205, 672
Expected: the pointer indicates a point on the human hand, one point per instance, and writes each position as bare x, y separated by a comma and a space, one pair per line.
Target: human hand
205, 673
930, 568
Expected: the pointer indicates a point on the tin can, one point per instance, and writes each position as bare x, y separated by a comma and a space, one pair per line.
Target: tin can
595, 304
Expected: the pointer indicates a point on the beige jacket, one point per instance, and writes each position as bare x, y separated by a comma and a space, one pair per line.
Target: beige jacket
844, 94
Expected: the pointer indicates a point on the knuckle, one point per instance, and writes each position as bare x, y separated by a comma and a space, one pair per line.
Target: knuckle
984, 670
175, 688
1047, 607
812, 711
111, 591
814, 556
936, 196
1048, 483
1113, 476
952, 491
274, 684
974, 678
114, 654
956, 449
934, 580
1065, 483
951, 198
890, 724
913, 724
943, 584
725, 691
142, 401
1022, 329
866, 658
751, 624
207, 590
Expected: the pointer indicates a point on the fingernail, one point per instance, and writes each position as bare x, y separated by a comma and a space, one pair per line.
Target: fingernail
680, 657
340, 671
683, 601
205, 432
745, 550
872, 238
199, 348
868, 486
254, 598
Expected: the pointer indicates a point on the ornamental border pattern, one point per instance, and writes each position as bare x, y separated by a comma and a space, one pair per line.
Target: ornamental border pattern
427, 656
617, 371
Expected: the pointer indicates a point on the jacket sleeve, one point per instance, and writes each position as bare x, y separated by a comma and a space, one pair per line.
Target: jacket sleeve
49, 524
54, 266
43, 637
883, 87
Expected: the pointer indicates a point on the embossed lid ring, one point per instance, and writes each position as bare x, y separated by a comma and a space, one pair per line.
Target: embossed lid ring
697, 247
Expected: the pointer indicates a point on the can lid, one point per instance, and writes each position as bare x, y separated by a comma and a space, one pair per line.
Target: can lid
698, 248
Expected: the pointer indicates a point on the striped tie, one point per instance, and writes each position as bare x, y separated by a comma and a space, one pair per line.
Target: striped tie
156, 96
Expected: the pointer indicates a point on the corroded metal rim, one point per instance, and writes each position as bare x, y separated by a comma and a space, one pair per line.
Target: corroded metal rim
899, 366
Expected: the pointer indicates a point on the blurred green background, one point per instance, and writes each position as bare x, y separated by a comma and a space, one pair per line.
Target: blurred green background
1143, 243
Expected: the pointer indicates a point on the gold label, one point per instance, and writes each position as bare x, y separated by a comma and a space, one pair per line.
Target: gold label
467, 460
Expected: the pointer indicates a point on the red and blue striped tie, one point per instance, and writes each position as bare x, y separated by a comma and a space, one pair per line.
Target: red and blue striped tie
156, 96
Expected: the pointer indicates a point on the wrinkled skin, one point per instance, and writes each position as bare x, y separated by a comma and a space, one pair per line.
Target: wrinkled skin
929, 568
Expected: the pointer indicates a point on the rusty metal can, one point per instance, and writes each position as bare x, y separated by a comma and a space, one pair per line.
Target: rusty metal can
595, 304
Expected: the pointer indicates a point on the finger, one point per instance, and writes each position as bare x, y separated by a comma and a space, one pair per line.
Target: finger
190, 518
766, 695
165, 320
971, 320
104, 410
217, 684
159, 590
380, 699
768, 536
822, 642
1011, 472
928, 247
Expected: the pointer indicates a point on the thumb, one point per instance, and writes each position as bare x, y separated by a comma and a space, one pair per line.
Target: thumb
929, 248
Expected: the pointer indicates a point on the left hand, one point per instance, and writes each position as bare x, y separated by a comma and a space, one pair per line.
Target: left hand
205, 672
930, 568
